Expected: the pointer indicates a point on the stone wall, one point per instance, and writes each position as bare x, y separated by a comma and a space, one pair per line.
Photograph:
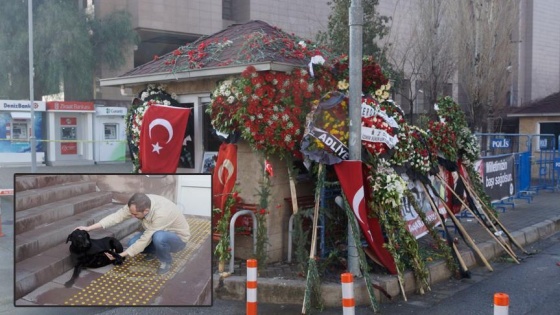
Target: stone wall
124, 186
250, 172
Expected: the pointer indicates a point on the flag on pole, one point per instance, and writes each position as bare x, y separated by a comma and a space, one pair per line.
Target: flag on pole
224, 175
350, 175
161, 138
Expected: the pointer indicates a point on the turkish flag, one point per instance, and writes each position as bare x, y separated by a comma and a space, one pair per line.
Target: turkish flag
350, 175
161, 138
224, 175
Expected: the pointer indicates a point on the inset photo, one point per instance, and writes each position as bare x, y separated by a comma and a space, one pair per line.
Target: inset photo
112, 240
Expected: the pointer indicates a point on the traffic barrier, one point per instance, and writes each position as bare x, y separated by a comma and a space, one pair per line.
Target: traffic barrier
501, 304
348, 301
251, 287
4, 192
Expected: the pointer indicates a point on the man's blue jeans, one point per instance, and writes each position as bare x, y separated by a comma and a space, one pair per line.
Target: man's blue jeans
162, 245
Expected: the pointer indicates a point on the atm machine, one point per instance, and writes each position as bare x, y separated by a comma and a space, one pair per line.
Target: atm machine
109, 134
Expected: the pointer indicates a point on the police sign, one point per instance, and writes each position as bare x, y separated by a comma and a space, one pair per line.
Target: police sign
500, 143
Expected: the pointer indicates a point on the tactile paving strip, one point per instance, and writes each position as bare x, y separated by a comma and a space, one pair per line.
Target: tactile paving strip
136, 282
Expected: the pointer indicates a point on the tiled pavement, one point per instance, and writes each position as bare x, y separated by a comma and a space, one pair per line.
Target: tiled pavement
135, 283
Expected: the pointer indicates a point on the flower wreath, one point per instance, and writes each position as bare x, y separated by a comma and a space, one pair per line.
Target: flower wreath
378, 128
373, 78
326, 133
423, 157
268, 107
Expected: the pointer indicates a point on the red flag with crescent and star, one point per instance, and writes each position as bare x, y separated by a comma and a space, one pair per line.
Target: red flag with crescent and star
350, 175
224, 175
161, 138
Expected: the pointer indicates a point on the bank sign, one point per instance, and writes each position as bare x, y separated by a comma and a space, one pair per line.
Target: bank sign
22, 105
110, 111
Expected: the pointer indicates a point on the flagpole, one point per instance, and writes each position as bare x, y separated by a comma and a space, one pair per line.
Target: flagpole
355, 99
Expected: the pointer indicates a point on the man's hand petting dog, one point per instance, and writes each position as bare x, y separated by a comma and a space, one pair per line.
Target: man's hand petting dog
115, 258
92, 253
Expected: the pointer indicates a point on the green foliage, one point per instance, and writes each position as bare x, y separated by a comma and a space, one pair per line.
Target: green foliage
222, 250
107, 43
263, 192
301, 239
13, 17
69, 44
337, 37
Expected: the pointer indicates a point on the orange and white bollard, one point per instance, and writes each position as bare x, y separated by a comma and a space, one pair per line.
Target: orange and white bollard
4, 192
251, 287
348, 302
501, 304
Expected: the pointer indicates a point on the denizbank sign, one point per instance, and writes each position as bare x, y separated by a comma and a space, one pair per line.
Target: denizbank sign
22, 105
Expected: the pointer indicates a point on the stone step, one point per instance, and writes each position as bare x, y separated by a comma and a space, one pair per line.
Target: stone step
31, 218
48, 235
35, 271
28, 182
41, 196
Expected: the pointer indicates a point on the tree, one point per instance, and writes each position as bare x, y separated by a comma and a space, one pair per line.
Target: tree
69, 43
483, 32
437, 49
423, 54
14, 51
337, 36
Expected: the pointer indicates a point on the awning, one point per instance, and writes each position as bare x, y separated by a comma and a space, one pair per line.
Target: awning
21, 115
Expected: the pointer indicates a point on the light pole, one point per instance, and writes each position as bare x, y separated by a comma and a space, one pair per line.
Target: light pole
356, 17
31, 97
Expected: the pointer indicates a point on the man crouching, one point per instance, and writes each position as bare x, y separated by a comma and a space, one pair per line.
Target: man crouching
166, 230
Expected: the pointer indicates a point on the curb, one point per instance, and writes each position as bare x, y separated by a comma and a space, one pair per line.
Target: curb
283, 291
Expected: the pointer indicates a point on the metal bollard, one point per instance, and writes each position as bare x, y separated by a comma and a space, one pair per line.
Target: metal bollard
348, 302
251, 287
501, 304
4, 192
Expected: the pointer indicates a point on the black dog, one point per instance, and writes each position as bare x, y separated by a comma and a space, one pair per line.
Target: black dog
91, 253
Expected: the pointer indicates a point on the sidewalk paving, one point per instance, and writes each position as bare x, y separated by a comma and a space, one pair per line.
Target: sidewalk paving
527, 222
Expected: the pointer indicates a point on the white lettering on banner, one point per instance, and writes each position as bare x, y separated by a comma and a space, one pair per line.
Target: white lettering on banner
378, 135
499, 180
334, 144
367, 111
390, 120
496, 166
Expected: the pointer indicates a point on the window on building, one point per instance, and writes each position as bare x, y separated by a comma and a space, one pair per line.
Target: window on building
547, 143
448, 89
421, 102
188, 158
403, 95
227, 9
211, 141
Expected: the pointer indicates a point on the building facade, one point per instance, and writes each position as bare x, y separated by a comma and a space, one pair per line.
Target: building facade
164, 25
